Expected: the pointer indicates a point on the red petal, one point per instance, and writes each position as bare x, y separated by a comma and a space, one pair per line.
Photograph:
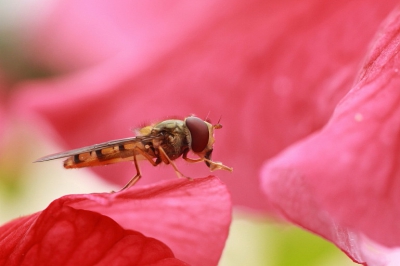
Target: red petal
63, 235
344, 182
191, 217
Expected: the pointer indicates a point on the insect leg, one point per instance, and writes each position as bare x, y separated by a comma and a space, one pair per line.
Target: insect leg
217, 165
147, 156
213, 165
178, 173
138, 173
190, 160
136, 177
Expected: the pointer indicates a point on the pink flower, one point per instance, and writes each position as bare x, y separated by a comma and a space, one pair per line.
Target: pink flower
274, 71
190, 218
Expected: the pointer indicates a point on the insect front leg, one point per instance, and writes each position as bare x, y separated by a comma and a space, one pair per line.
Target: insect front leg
190, 160
213, 165
218, 166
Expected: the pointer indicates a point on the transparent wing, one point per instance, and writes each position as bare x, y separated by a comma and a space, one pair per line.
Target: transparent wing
119, 144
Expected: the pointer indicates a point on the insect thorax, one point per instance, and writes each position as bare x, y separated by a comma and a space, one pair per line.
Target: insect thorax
173, 140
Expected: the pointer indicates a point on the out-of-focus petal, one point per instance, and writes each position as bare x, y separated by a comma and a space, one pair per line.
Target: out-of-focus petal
191, 217
72, 34
62, 235
2, 123
344, 181
4, 88
274, 71
376, 254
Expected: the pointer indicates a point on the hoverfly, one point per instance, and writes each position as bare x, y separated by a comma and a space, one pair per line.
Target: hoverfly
159, 143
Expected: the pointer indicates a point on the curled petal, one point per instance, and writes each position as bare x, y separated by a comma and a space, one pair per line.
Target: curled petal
345, 180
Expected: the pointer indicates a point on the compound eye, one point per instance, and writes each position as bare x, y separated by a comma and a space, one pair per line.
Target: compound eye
199, 132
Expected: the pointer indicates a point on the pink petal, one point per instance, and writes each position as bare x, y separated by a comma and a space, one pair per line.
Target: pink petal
191, 217
273, 70
344, 181
4, 87
3, 127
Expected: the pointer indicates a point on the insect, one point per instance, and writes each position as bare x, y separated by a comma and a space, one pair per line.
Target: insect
159, 143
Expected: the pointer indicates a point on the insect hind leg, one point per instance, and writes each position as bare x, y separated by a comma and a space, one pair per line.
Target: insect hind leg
136, 177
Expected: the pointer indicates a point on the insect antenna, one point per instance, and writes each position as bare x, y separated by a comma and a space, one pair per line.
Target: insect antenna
218, 125
207, 119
